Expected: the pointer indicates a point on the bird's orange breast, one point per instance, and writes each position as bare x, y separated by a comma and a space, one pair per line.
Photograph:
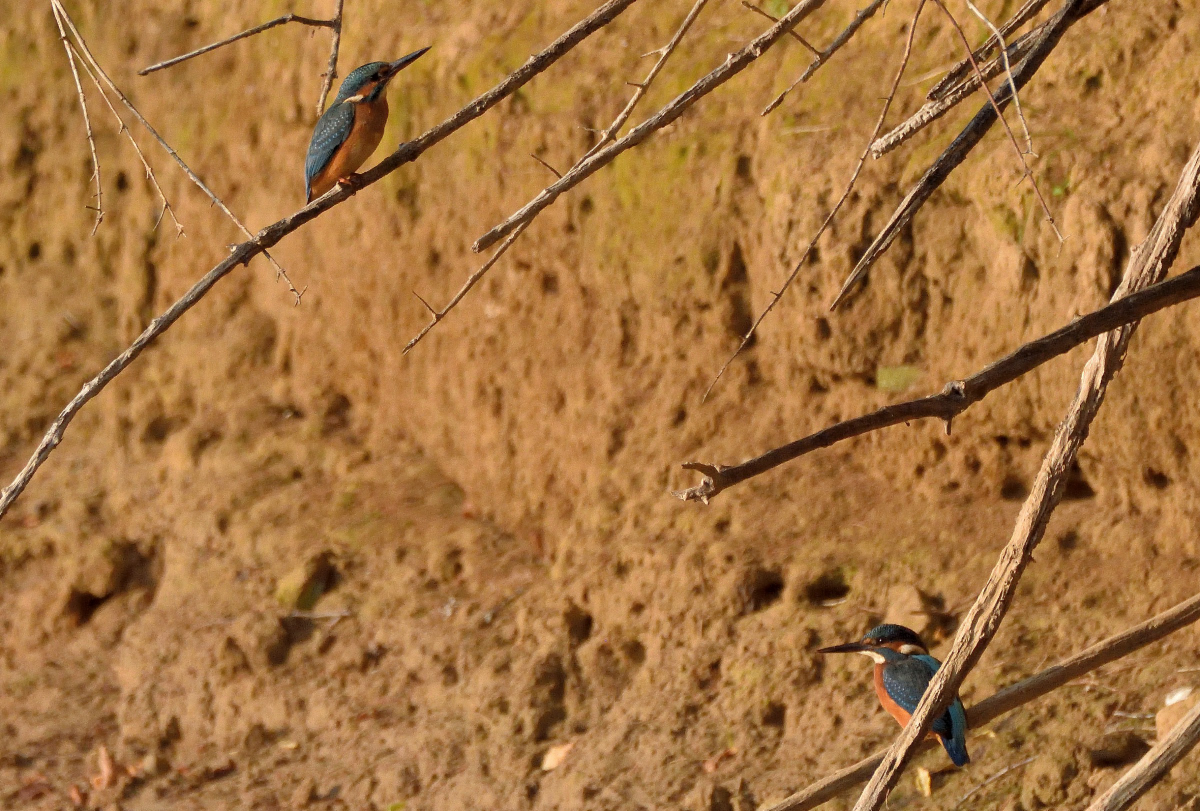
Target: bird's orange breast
370, 121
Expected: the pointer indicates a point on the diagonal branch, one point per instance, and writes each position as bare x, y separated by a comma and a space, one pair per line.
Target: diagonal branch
1016, 695
1022, 15
335, 24
824, 56
959, 395
734, 64
1153, 766
962, 145
1148, 264
272, 234
608, 135
807, 45
331, 69
812, 244
87, 123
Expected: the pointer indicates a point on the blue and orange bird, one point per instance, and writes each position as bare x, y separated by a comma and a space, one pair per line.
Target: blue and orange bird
350, 130
903, 669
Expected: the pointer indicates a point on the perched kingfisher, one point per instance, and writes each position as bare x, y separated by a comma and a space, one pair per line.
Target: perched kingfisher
903, 668
350, 130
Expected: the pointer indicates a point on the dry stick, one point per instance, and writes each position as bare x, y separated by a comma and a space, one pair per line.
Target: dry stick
958, 395
812, 244
1016, 695
952, 96
249, 32
1007, 69
1023, 15
962, 145
266, 238
733, 65
841, 39
167, 207
811, 48
331, 69
1153, 766
1026, 172
998, 775
664, 53
91, 59
1148, 264
87, 124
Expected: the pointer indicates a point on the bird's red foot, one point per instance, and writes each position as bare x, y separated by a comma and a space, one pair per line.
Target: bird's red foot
353, 182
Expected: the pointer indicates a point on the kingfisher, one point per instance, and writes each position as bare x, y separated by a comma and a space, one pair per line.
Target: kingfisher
350, 130
903, 668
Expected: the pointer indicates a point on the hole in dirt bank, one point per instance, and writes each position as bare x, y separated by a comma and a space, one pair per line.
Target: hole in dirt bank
579, 624
81, 606
1013, 489
634, 651
736, 285
1078, 488
1156, 478
128, 568
827, 589
336, 414
774, 715
1068, 540
760, 589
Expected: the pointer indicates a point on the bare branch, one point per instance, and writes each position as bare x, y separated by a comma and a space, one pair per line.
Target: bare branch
962, 145
1153, 766
331, 69
272, 234
87, 124
841, 39
1016, 695
959, 395
1023, 15
249, 32
1148, 264
733, 65
999, 37
862, 159
811, 48
90, 59
663, 54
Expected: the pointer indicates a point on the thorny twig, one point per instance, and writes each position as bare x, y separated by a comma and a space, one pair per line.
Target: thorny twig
958, 395
958, 150
1016, 695
999, 37
1023, 15
824, 56
272, 234
81, 44
858, 167
331, 69
249, 32
811, 48
607, 135
87, 123
1148, 264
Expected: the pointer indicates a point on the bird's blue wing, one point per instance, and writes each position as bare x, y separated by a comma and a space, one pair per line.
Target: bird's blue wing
906, 682
331, 132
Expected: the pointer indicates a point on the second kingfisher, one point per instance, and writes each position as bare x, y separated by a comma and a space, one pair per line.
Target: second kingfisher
350, 130
903, 669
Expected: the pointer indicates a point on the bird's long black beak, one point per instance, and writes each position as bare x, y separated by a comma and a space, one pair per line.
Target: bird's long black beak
849, 647
403, 62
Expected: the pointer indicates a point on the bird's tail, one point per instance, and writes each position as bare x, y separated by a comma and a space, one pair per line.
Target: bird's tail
956, 748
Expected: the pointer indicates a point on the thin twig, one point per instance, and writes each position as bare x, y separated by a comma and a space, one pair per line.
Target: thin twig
841, 39
249, 32
1153, 766
331, 69
999, 37
1023, 15
436, 316
1148, 264
963, 144
733, 65
99, 71
268, 237
862, 159
1016, 695
811, 48
663, 54
994, 778
1015, 96
87, 124
958, 395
